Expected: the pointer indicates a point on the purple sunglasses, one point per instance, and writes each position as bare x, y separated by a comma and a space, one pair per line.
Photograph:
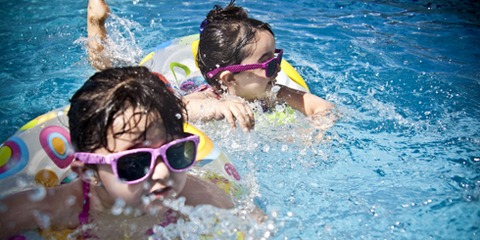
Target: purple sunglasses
270, 66
135, 165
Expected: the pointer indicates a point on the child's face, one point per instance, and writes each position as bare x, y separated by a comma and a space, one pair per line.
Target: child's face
253, 84
161, 184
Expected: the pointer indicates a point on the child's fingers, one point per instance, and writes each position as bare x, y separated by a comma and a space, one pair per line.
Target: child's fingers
227, 114
251, 116
244, 116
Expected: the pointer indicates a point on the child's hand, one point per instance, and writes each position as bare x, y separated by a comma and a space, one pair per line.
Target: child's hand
235, 109
323, 120
231, 109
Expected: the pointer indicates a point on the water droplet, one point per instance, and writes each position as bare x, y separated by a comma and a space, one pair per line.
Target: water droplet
43, 220
147, 143
145, 200
38, 194
70, 200
118, 206
275, 89
266, 148
128, 211
89, 174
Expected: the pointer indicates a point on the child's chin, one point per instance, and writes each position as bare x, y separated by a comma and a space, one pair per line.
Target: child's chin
155, 208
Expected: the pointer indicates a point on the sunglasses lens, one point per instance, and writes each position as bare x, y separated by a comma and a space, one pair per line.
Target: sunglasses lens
181, 155
271, 68
133, 166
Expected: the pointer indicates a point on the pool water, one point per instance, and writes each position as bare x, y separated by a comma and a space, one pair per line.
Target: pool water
402, 161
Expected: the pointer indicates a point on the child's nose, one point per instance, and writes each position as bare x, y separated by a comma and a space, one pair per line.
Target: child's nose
160, 170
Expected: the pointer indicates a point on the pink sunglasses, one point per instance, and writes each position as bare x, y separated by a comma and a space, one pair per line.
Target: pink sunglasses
270, 66
135, 165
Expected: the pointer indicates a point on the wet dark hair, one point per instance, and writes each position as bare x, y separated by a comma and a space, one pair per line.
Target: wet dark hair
108, 94
224, 35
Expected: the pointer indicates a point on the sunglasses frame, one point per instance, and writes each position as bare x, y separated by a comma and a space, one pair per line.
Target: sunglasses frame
112, 159
246, 67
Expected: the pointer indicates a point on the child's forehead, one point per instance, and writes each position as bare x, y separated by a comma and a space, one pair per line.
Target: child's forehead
136, 123
263, 44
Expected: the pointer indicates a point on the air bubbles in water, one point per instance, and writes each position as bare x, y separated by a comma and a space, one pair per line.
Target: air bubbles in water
212, 223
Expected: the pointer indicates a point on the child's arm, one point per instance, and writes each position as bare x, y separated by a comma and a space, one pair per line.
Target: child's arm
33, 209
204, 106
97, 13
198, 191
304, 102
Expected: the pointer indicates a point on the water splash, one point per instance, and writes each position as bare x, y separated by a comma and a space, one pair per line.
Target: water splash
210, 222
121, 48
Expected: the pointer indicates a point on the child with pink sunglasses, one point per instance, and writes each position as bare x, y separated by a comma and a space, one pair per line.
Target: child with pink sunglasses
131, 154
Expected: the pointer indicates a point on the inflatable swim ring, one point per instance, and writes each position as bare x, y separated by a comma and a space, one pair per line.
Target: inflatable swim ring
175, 59
40, 153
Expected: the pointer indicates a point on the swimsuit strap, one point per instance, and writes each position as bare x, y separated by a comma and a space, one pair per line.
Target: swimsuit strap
170, 217
83, 216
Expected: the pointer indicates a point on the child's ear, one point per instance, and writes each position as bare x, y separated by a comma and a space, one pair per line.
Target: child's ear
227, 78
86, 174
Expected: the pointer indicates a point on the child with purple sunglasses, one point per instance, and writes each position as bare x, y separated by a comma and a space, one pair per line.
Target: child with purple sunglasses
238, 56
131, 153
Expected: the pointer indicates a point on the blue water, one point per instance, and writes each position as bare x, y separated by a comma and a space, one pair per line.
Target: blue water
403, 160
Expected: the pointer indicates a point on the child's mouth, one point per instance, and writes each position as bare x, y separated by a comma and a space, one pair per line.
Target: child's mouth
160, 193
